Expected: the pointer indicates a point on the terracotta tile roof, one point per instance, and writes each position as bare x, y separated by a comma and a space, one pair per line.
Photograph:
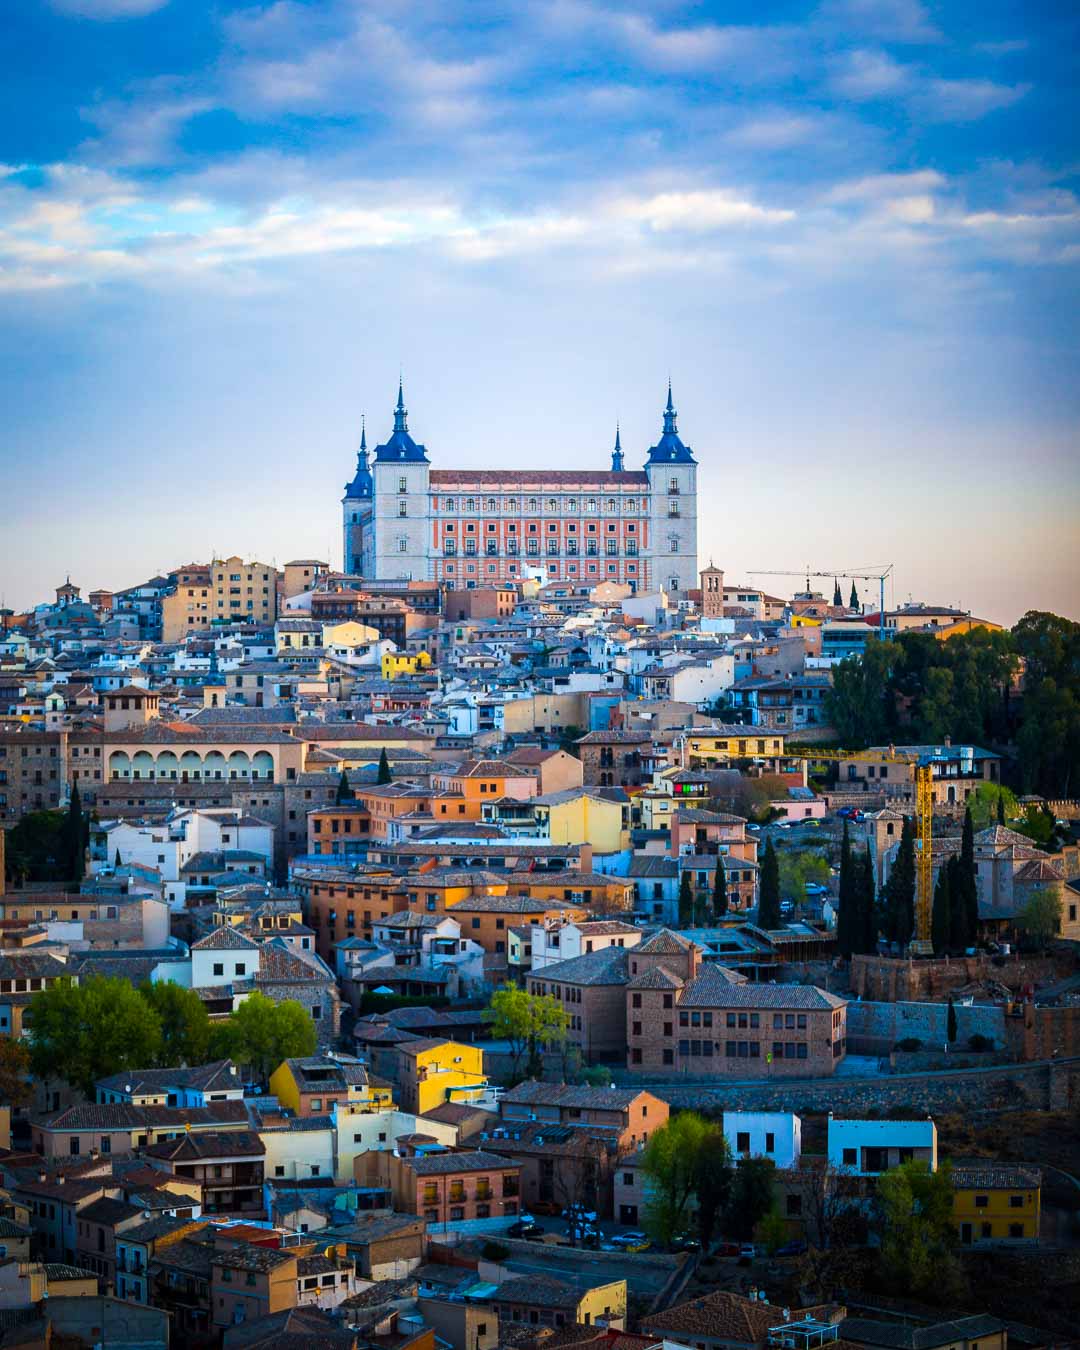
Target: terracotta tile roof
665, 943
443, 1164
724, 1316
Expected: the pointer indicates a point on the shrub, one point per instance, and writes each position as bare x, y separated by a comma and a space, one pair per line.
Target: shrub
909, 1043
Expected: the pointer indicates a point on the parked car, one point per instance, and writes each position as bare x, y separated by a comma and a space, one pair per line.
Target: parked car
685, 1243
747, 1252
525, 1228
755, 828
786, 906
631, 1242
796, 1248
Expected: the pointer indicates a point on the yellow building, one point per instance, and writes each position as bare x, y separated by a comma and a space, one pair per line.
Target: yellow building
396, 664
578, 816
316, 1085
705, 745
432, 1071
244, 592
525, 1301
996, 1203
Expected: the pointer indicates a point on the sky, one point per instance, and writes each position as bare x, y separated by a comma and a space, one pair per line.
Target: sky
847, 230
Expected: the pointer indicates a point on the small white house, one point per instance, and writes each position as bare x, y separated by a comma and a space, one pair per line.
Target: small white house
222, 957
562, 941
764, 1134
870, 1147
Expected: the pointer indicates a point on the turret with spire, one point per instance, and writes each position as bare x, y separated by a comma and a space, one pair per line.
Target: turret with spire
400, 445
617, 454
360, 487
669, 449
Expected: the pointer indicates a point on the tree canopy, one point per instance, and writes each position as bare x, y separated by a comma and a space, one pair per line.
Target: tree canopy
103, 1026
917, 1232
916, 688
1040, 919
530, 1022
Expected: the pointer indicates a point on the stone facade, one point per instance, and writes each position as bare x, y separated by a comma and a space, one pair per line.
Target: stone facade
493, 527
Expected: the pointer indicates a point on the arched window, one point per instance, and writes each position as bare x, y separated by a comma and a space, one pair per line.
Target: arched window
553, 504
612, 505
532, 503
492, 505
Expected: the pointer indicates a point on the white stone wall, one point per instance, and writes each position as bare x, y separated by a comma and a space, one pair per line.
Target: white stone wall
402, 543
673, 539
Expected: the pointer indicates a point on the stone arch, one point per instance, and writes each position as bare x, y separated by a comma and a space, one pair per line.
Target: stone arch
215, 765
142, 765
239, 765
119, 764
190, 766
262, 765
167, 765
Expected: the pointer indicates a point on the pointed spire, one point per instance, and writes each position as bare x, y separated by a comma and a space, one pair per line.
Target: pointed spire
400, 414
363, 434
670, 429
617, 453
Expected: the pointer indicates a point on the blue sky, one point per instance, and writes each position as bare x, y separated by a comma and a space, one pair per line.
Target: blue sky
848, 229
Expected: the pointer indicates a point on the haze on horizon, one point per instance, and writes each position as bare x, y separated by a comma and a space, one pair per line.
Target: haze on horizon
849, 231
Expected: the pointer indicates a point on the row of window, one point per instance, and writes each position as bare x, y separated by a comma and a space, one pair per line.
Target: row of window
532, 548
550, 505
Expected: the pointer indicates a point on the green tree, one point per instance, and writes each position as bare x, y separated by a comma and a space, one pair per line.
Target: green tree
344, 792
837, 598
83, 1032
686, 901
384, 775
14, 1072
846, 916
719, 893
941, 914
74, 837
967, 879
38, 848
772, 1229
867, 909
857, 705
262, 1033
950, 1024
185, 1024
528, 1022
958, 920
991, 804
900, 889
853, 599
670, 1161
768, 915
797, 867
714, 1176
915, 1207
1040, 919
751, 1195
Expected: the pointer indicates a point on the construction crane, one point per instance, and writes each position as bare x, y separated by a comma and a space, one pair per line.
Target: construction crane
871, 573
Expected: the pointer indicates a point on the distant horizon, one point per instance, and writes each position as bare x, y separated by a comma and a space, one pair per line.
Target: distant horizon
848, 230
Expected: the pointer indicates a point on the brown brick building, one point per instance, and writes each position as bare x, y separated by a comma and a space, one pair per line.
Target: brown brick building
614, 758
32, 769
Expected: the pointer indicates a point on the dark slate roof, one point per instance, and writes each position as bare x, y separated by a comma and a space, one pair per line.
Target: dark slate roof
713, 988
196, 1147
203, 1077
665, 943
442, 1164
400, 446
897, 1336
669, 449
579, 1097
606, 966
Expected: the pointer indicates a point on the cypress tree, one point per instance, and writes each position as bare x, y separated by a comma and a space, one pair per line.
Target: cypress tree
1000, 809
868, 917
686, 902
384, 775
344, 792
74, 837
769, 890
968, 880
117, 862
941, 916
719, 894
846, 919
900, 888
837, 598
853, 603
950, 1029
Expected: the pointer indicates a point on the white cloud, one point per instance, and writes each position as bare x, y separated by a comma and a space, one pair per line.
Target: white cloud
774, 131
699, 211
866, 74
881, 186
965, 100
884, 20
108, 9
